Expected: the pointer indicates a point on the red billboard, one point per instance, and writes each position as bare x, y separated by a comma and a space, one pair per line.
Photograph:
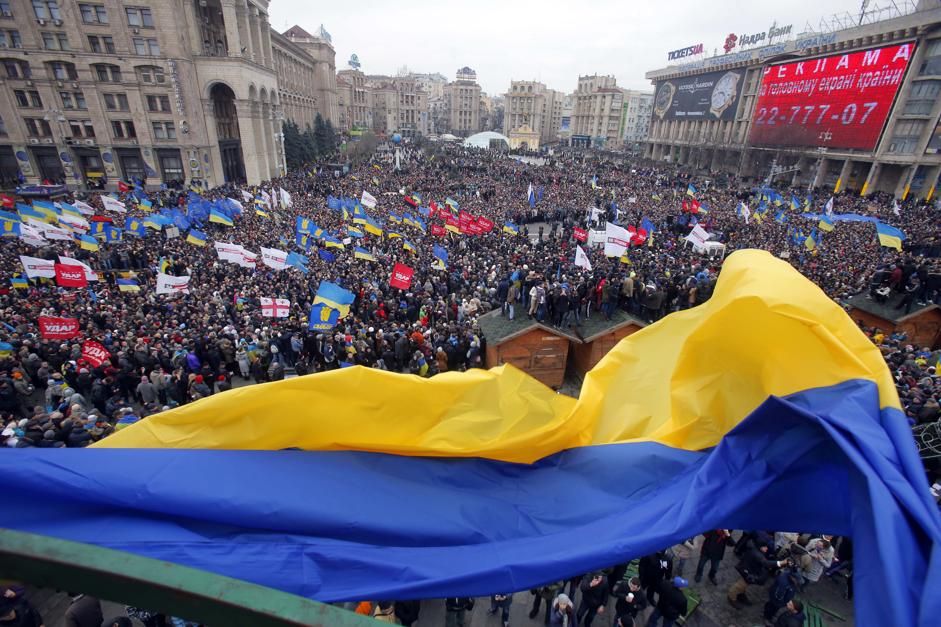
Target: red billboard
839, 101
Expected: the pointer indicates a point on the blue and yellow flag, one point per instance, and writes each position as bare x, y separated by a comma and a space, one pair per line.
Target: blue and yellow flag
261, 212
825, 224
373, 227
678, 411
691, 190
407, 245
322, 317
352, 231
511, 228
87, 242
219, 218
335, 297
10, 229
889, 236
19, 283
196, 237
332, 242
362, 253
128, 285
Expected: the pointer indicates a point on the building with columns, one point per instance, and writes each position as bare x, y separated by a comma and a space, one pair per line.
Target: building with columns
323, 85
354, 104
538, 108
163, 91
894, 149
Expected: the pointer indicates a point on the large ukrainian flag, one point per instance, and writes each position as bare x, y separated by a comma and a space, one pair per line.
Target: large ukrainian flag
764, 408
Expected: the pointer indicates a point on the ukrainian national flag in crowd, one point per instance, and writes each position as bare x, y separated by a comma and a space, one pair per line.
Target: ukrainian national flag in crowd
332, 242
145, 204
219, 218
511, 228
691, 190
261, 212
352, 231
362, 253
87, 242
825, 224
407, 245
889, 236
10, 229
128, 285
19, 283
373, 227
795, 203
678, 411
196, 237
441, 257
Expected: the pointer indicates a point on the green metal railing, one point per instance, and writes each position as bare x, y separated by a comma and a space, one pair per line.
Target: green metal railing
160, 586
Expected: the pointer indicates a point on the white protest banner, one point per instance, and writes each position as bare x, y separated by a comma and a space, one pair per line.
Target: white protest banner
617, 239
274, 258
368, 200
113, 205
167, 284
698, 236
35, 267
581, 259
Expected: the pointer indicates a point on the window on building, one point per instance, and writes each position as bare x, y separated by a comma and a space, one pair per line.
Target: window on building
151, 74
101, 43
55, 41
146, 46
123, 129
164, 130
10, 39
93, 13
116, 102
922, 97
158, 103
46, 10
73, 100
906, 135
14, 68
139, 17
62, 71
931, 61
106, 73
5, 8
82, 128
38, 127
3, 128
27, 98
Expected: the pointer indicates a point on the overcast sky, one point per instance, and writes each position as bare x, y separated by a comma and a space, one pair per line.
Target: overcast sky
545, 40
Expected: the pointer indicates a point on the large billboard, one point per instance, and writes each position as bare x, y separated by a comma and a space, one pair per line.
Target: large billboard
839, 101
712, 96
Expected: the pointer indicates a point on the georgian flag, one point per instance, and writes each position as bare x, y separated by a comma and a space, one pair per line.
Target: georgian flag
275, 307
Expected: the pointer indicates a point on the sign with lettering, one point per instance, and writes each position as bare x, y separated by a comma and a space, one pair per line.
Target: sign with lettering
682, 53
711, 96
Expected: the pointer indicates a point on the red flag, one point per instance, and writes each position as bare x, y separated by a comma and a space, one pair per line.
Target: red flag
580, 234
438, 231
70, 276
694, 206
401, 276
411, 202
7, 201
474, 229
123, 187
463, 216
485, 224
94, 353
639, 236
53, 328
432, 209
685, 206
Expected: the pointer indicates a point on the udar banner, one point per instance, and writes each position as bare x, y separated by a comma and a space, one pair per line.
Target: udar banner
401, 276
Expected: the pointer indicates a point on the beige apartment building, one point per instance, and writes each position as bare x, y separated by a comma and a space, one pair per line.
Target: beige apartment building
462, 101
175, 90
355, 107
596, 121
531, 107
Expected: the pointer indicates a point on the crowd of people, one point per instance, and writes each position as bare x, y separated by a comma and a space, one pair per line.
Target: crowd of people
166, 350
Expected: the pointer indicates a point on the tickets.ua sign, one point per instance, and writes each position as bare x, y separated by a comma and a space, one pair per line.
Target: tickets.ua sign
682, 53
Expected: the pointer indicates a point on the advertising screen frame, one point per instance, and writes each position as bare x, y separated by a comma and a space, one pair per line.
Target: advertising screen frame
709, 96
836, 119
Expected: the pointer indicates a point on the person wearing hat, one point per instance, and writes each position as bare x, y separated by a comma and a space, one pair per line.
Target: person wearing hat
671, 602
562, 612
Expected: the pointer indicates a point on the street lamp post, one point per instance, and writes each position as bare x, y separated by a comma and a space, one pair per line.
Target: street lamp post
279, 140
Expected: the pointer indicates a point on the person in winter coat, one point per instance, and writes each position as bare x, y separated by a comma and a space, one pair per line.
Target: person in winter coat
781, 591
407, 611
631, 599
545, 593
712, 551
653, 569
84, 611
817, 559
793, 617
753, 570
563, 612
501, 602
671, 602
241, 356
146, 391
594, 597
454, 610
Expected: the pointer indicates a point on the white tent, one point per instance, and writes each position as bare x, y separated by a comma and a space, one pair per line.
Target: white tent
486, 140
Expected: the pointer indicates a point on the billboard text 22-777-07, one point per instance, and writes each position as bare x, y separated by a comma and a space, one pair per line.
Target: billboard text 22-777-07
712, 96
838, 101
